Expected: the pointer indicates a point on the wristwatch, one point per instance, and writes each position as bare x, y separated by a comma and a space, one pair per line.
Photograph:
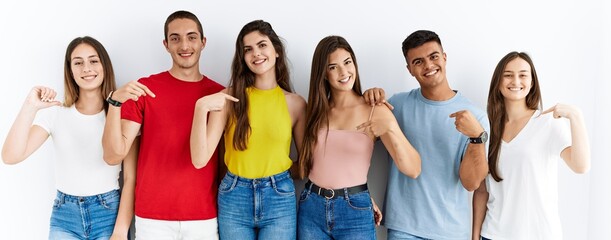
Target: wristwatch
111, 101
483, 137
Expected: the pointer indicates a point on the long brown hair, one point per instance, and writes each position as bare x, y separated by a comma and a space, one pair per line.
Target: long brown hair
497, 113
319, 98
242, 77
71, 89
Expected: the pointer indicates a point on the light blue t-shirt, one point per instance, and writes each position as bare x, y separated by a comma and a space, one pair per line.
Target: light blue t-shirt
435, 205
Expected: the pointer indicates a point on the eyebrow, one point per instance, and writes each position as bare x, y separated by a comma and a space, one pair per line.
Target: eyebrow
433, 53
331, 64
176, 34
91, 56
264, 40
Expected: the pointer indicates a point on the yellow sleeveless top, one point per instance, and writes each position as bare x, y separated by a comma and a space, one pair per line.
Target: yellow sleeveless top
269, 142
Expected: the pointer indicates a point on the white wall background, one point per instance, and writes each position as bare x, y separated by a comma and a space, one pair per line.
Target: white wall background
570, 42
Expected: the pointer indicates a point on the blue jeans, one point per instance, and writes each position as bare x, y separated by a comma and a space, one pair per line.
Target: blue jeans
91, 217
346, 217
262, 208
399, 235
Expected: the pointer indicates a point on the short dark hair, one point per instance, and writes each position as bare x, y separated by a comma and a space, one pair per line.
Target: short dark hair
182, 14
417, 39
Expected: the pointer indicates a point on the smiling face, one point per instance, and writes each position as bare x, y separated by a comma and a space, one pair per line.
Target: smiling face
341, 71
184, 43
516, 81
259, 53
86, 67
427, 64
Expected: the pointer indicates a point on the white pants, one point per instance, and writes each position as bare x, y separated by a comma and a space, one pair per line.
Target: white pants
176, 230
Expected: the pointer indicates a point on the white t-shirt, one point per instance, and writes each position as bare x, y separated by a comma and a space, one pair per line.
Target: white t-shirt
525, 204
80, 169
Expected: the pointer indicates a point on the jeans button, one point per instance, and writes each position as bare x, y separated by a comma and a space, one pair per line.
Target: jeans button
81, 199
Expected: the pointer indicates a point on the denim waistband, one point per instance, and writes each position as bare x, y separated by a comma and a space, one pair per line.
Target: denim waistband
99, 197
273, 178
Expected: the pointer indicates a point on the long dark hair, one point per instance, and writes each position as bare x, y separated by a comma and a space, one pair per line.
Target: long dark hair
71, 89
242, 77
497, 114
317, 110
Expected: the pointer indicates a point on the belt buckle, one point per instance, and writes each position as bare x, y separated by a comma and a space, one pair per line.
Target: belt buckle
324, 191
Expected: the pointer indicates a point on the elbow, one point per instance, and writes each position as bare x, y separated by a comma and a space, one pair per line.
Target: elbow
10, 159
471, 186
413, 173
199, 164
582, 169
112, 159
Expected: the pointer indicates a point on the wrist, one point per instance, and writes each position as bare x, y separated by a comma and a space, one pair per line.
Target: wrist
112, 102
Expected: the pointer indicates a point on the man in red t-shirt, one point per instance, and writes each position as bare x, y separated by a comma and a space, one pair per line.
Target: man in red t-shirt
173, 199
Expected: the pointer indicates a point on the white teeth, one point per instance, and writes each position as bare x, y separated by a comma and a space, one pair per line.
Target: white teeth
259, 61
89, 77
430, 73
185, 54
515, 88
345, 80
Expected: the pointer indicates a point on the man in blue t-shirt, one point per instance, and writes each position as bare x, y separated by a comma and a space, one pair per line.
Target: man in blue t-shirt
450, 134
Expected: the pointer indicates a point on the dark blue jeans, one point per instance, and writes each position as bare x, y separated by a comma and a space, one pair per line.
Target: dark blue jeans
347, 217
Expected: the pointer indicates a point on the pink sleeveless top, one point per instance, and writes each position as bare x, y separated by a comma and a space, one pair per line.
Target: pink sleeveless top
341, 159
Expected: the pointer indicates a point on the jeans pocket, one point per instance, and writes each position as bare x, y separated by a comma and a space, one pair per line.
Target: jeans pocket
227, 184
111, 203
285, 187
360, 201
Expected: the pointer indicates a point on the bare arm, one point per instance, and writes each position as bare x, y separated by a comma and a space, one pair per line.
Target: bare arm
480, 200
405, 156
576, 156
474, 165
206, 134
119, 134
23, 138
126, 206
297, 106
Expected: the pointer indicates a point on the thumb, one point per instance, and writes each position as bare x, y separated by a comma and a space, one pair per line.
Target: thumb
549, 110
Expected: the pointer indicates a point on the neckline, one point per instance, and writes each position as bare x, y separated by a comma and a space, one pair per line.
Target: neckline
520, 133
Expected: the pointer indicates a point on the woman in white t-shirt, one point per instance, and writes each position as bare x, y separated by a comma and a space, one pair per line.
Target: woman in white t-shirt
87, 202
519, 199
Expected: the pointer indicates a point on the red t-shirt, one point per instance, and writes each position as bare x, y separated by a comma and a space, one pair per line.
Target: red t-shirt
168, 186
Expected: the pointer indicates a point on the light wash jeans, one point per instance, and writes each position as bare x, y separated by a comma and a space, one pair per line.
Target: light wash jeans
347, 217
91, 217
262, 208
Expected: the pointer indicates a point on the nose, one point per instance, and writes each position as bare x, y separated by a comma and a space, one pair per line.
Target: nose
184, 44
343, 71
86, 67
428, 64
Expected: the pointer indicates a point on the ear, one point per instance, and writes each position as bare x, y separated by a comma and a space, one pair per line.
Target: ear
445, 57
165, 44
203, 42
277, 55
409, 69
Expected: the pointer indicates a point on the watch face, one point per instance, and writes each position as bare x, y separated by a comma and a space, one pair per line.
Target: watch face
484, 137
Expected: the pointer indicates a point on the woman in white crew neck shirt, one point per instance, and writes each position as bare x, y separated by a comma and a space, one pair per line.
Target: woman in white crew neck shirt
87, 202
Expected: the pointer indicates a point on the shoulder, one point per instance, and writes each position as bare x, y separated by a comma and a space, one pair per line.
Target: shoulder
208, 81
294, 99
401, 96
382, 112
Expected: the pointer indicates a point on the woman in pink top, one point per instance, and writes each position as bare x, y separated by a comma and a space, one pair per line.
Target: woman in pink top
340, 133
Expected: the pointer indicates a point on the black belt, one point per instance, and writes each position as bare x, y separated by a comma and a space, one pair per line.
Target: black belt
334, 193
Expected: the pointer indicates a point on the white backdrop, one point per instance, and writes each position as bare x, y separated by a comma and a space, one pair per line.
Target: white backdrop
569, 41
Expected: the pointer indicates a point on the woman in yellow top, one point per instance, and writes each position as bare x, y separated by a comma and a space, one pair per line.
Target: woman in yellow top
256, 197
